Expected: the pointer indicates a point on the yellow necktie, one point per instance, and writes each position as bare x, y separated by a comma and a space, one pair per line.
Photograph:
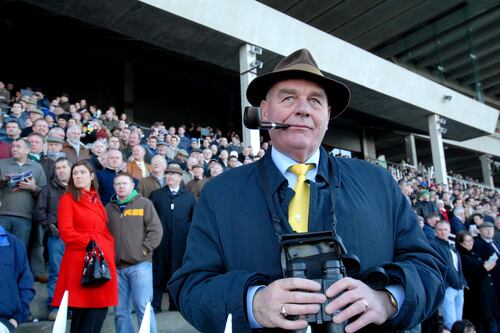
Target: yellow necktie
298, 210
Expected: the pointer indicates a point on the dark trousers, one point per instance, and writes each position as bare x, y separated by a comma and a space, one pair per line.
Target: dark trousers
88, 320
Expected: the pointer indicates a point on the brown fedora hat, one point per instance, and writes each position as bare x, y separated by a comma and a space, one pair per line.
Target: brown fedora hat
300, 65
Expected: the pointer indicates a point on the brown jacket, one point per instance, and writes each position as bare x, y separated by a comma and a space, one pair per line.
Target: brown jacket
137, 230
71, 153
135, 171
195, 186
147, 185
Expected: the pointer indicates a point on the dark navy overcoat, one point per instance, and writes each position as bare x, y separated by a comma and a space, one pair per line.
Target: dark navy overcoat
232, 243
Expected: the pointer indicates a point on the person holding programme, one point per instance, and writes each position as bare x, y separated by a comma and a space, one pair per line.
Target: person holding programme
82, 218
480, 304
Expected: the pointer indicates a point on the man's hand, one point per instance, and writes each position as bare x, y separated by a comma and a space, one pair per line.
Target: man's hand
489, 265
14, 322
28, 184
299, 297
372, 306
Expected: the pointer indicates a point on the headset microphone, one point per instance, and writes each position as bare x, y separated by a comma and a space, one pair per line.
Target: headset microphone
252, 120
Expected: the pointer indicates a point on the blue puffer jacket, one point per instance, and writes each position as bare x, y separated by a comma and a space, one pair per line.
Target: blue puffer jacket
16, 283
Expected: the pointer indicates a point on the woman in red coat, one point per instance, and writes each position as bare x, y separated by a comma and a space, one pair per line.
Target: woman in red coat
81, 218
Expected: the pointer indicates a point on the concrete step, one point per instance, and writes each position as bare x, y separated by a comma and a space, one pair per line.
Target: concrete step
38, 306
166, 322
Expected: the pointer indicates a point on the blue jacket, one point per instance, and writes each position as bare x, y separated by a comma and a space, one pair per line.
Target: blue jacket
232, 243
454, 279
16, 282
456, 225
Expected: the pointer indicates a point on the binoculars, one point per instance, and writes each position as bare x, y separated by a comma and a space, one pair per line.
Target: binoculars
332, 271
322, 257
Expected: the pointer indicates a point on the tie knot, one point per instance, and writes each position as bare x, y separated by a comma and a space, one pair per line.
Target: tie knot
301, 169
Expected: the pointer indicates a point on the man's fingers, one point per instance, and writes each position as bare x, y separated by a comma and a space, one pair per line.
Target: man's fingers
341, 285
299, 297
301, 309
292, 324
364, 320
355, 309
343, 300
300, 284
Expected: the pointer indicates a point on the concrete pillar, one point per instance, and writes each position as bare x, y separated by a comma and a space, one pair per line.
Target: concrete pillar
437, 149
368, 146
128, 90
247, 58
411, 150
486, 170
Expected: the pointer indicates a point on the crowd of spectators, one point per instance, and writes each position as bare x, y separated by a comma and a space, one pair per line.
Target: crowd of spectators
40, 139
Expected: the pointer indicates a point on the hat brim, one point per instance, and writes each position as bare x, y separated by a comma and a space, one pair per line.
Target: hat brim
338, 93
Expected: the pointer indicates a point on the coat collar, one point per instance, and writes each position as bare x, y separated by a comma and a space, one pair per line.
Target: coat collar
326, 164
90, 199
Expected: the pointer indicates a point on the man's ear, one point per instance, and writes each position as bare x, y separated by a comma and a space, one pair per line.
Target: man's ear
329, 111
264, 108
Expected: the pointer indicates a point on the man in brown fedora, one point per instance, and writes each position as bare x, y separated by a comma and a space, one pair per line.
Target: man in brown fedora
232, 262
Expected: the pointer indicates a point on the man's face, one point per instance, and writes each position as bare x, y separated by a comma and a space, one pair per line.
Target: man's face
61, 122
478, 220
36, 144
115, 159
171, 130
207, 154
174, 142
62, 171
98, 148
114, 143
198, 172
109, 114
173, 179
19, 150
12, 130
181, 131
16, 109
41, 127
34, 116
123, 186
152, 143
125, 134
161, 150
216, 169
74, 134
303, 105
443, 231
54, 147
133, 139
487, 232
233, 162
138, 153
158, 165
223, 155
432, 221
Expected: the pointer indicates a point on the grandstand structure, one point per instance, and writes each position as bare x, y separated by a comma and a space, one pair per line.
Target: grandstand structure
424, 74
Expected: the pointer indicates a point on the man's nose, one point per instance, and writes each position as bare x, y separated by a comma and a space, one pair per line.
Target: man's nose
303, 108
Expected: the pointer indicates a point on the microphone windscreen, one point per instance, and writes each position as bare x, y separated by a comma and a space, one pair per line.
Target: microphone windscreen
251, 117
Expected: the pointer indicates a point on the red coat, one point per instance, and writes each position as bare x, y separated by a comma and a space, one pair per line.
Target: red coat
78, 223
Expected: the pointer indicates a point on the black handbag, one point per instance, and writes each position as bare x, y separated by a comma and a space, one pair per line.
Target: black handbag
95, 268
